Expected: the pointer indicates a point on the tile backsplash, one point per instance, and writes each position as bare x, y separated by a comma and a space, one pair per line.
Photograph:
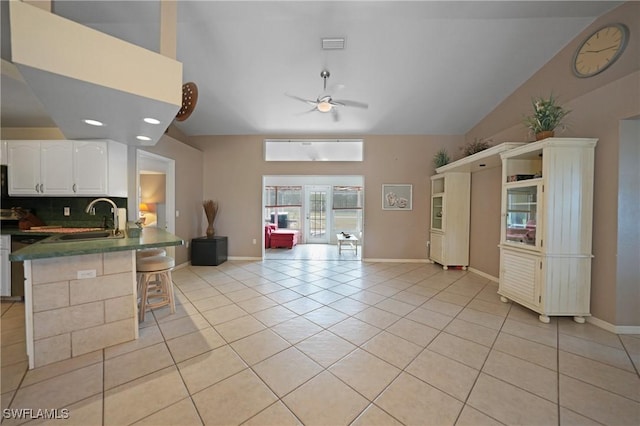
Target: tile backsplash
51, 209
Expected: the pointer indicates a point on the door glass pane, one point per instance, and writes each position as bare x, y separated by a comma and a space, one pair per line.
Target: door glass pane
436, 213
317, 213
522, 210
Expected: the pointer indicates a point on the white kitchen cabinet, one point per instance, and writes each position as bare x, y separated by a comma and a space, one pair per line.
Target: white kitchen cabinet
40, 167
100, 168
64, 168
547, 215
23, 167
56, 173
450, 207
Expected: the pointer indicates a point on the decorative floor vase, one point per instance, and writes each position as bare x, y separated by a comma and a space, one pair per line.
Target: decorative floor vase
544, 135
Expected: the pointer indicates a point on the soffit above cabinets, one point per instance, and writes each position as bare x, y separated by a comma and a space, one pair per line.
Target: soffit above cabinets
78, 73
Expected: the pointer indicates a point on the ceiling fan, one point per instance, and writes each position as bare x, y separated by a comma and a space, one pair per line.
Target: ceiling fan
325, 103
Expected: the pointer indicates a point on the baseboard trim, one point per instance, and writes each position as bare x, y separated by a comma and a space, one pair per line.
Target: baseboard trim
484, 274
617, 329
396, 260
243, 258
182, 265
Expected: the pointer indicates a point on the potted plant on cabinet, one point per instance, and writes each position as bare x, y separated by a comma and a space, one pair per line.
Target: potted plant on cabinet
547, 116
441, 158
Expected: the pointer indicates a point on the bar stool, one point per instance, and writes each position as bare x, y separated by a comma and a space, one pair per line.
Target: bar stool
150, 252
141, 253
155, 287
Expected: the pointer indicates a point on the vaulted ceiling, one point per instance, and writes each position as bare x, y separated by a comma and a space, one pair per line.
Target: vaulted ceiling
423, 67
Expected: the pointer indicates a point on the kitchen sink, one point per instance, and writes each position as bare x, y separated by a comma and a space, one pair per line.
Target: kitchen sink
84, 236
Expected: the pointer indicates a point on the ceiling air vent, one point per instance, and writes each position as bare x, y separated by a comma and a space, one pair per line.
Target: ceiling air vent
333, 43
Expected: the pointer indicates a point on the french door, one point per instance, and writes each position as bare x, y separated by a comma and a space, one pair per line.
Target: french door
317, 204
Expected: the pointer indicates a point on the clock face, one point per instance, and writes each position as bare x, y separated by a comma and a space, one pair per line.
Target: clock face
600, 50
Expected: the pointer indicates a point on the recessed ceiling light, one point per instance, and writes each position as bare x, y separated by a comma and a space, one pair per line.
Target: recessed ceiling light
94, 122
151, 120
143, 138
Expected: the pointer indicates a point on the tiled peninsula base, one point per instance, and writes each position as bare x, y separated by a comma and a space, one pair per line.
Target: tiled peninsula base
79, 304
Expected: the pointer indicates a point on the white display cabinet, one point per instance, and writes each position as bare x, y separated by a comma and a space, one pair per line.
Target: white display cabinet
545, 244
449, 230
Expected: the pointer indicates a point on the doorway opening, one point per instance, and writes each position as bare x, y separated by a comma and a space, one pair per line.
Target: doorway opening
303, 216
155, 192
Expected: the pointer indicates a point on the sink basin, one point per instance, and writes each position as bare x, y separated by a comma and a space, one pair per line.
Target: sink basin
84, 236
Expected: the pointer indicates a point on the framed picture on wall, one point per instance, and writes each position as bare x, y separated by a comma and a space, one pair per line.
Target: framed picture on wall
397, 196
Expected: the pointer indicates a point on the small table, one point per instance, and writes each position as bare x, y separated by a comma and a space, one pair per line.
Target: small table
352, 242
208, 251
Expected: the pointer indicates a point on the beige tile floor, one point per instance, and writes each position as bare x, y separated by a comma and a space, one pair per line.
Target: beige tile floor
313, 252
332, 343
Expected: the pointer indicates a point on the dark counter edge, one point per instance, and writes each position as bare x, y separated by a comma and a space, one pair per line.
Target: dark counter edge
151, 237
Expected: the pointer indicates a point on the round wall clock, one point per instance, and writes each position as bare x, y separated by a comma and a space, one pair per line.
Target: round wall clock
600, 50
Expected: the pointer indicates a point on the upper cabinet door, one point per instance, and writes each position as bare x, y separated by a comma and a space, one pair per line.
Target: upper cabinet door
90, 168
56, 167
23, 167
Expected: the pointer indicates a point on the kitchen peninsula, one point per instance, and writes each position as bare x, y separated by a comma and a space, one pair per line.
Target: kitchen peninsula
81, 296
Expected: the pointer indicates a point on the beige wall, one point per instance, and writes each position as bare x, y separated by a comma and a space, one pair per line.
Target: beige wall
484, 229
598, 104
628, 250
234, 167
152, 188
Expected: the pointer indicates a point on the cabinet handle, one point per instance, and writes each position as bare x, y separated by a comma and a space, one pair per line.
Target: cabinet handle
42, 188
37, 190
74, 187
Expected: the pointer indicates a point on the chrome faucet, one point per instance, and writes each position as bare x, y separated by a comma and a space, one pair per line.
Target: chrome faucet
114, 208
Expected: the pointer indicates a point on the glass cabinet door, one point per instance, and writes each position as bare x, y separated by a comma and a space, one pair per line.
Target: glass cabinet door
436, 212
522, 215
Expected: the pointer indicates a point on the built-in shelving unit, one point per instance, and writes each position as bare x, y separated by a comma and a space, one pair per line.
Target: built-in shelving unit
450, 207
451, 204
483, 160
545, 244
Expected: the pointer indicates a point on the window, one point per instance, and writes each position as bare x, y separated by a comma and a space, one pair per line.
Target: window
347, 209
313, 150
283, 205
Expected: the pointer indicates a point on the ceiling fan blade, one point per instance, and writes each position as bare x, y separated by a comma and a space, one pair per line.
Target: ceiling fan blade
343, 102
309, 101
335, 114
314, 109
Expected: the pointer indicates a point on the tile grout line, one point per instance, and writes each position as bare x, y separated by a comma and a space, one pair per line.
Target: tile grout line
175, 364
403, 370
324, 369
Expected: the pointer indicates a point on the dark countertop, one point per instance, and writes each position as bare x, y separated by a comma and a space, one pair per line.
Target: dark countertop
17, 231
149, 237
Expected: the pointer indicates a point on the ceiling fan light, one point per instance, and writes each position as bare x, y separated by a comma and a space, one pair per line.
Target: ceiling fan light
324, 106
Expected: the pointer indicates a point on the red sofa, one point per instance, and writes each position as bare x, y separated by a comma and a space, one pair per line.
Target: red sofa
276, 238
